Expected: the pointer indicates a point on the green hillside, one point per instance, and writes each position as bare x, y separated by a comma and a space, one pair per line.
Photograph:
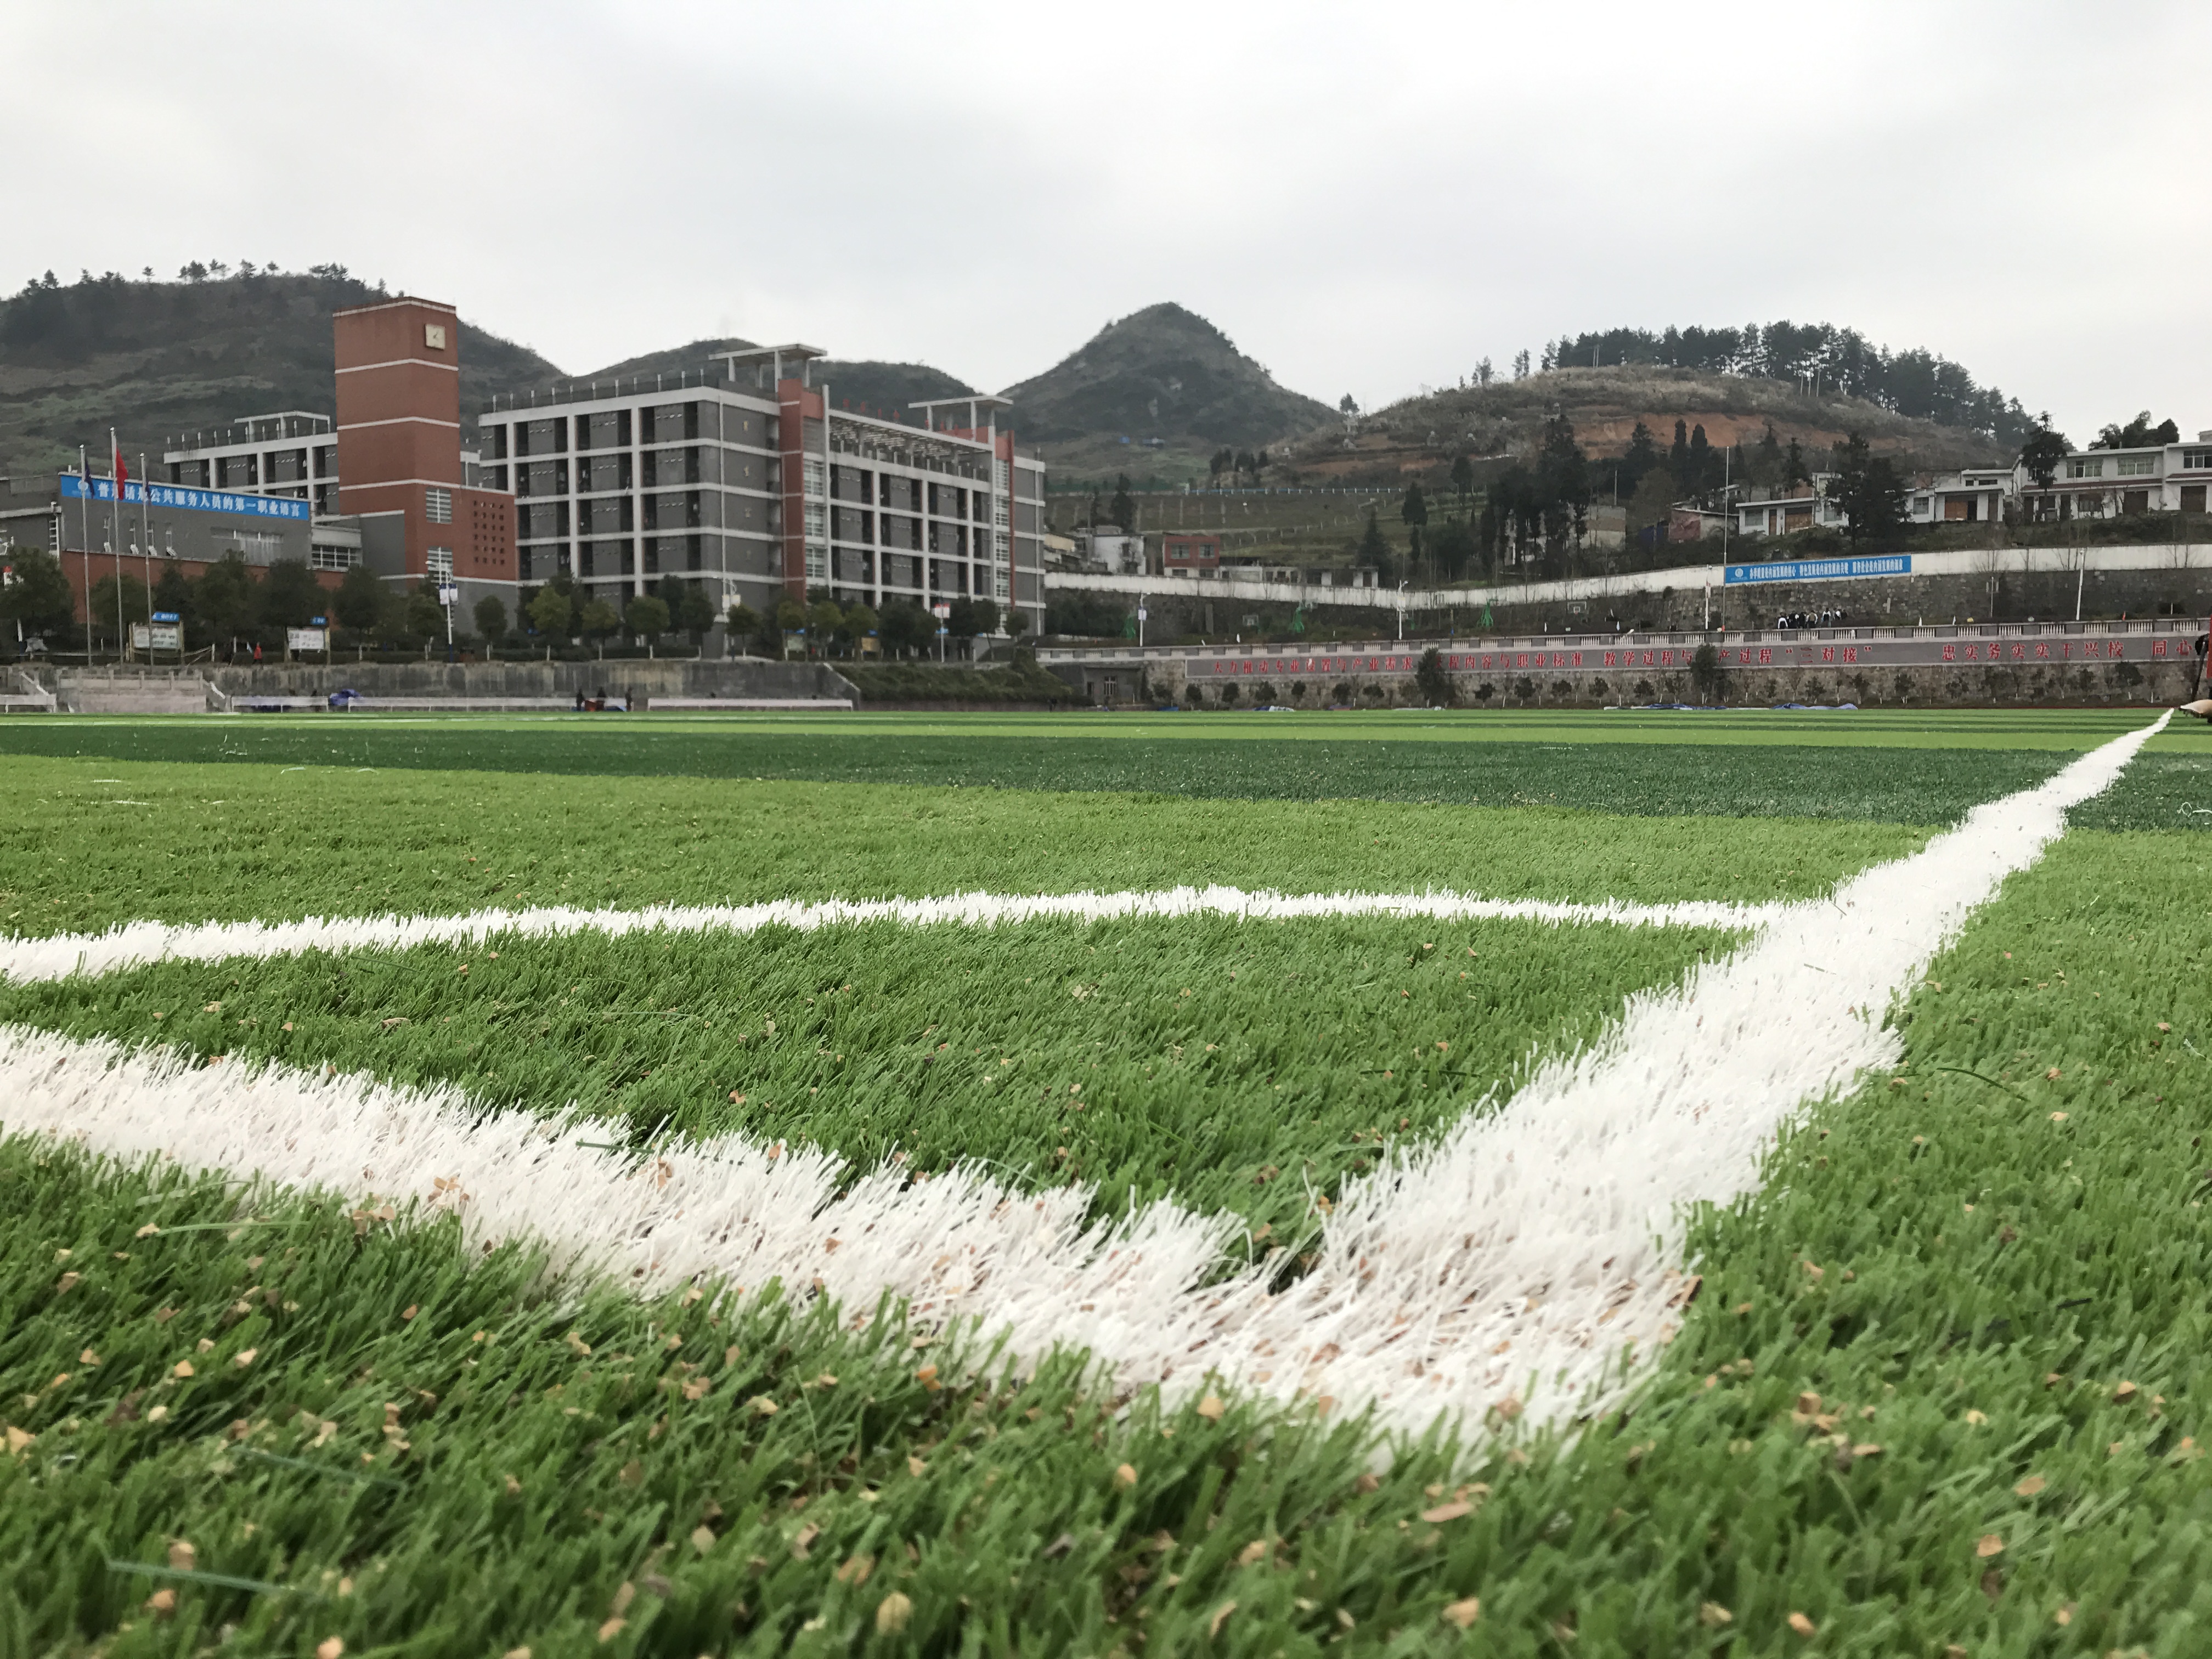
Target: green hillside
155, 359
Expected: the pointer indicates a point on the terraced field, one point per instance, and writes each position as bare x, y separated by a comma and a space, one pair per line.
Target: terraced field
1599, 1185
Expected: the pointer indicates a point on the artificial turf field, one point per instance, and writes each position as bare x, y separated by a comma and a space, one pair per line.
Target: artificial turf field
1935, 1387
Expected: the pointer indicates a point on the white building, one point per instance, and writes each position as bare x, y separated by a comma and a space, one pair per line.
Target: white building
1801, 507
1974, 495
2106, 483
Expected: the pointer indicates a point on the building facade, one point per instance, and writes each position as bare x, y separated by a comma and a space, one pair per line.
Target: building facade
2107, 483
741, 477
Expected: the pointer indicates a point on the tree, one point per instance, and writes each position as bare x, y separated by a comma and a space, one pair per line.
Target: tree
359, 601
1643, 455
1374, 550
824, 619
1653, 503
550, 612
647, 616
1415, 511
1452, 548
1462, 478
1218, 465
35, 593
1678, 459
2138, 434
1521, 365
1870, 492
984, 616
107, 605
223, 600
490, 614
1348, 406
2044, 452
1483, 373
426, 617
173, 590
742, 620
1766, 461
1436, 685
1705, 671
791, 618
599, 619
1017, 624
695, 612
860, 621
290, 597
1794, 468
1124, 510
905, 626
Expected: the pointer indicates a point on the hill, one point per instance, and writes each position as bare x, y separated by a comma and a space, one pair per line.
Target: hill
868, 387
1163, 379
155, 359
1425, 435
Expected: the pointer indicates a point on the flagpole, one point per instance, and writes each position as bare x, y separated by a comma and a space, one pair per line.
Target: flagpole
115, 537
84, 529
146, 548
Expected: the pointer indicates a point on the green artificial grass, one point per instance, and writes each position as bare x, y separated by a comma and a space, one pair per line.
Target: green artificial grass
1889, 773
1237, 1067
86, 845
2017, 1388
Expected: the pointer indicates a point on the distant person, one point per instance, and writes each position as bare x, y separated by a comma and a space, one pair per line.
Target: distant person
580, 700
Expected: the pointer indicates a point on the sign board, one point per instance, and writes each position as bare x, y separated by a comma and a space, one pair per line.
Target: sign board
1813, 570
305, 639
78, 489
171, 616
940, 609
447, 593
318, 622
159, 636
1143, 615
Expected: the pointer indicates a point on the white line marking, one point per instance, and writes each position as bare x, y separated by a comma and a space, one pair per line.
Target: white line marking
1554, 1225
136, 943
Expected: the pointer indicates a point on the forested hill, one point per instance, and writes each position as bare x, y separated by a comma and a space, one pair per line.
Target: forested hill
152, 359
1914, 383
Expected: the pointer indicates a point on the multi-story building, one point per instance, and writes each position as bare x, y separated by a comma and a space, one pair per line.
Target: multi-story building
740, 475
2104, 484
387, 481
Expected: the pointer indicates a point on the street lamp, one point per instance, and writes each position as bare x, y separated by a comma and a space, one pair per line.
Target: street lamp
448, 596
1401, 611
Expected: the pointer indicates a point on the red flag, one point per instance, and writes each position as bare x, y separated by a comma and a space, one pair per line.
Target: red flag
115, 454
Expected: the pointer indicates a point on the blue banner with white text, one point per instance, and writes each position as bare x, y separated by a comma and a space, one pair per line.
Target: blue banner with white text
78, 489
1813, 570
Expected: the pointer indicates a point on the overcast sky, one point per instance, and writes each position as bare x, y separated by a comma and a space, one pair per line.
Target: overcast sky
1365, 197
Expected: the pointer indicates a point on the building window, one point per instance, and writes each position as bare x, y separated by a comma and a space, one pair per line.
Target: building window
438, 506
438, 562
332, 558
2137, 466
2082, 467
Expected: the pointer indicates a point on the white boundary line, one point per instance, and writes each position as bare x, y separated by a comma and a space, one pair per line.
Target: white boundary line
139, 942
1519, 1255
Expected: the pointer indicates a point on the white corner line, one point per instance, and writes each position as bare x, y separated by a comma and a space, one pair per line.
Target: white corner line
137, 943
1526, 1254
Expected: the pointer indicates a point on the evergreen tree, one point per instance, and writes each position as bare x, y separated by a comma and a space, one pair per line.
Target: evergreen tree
1462, 478
1124, 510
37, 594
647, 616
2044, 452
1677, 460
550, 612
359, 602
1643, 455
490, 614
1414, 512
1375, 551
